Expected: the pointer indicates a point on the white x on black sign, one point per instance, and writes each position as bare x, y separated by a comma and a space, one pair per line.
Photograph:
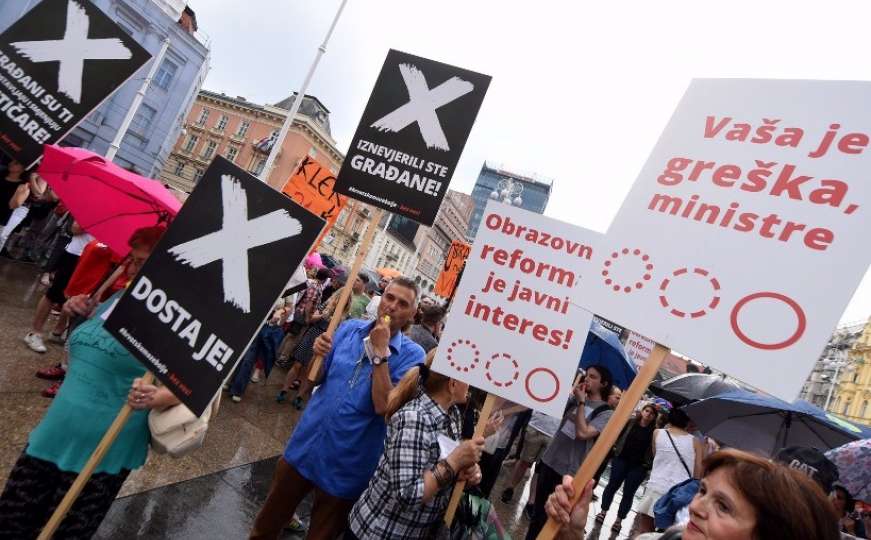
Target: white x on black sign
230, 244
422, 105
72, 50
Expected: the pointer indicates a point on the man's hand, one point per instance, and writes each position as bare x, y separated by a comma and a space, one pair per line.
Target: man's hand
470, 475
580, 392
571, 518
380, 335
323, 344
81, 304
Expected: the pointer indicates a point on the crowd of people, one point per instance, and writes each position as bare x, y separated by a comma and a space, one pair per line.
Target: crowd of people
382, 439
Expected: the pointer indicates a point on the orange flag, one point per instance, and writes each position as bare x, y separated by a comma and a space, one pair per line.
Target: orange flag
311, 187
447, 280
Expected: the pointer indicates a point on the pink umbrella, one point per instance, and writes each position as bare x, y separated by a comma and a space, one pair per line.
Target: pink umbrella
314, 260
107, 201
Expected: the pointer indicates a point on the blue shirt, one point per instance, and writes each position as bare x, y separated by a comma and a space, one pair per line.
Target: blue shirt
339, 438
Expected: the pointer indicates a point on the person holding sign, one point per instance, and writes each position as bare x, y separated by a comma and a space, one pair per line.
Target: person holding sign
102, 377
422, 458
588, 413
334, 449
742, 497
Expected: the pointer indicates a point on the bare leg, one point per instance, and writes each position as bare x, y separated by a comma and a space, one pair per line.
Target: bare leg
43, 309
643, 524
517, 474
292, 375
61, 324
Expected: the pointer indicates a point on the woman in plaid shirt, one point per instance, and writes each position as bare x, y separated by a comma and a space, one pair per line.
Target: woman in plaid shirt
411, 488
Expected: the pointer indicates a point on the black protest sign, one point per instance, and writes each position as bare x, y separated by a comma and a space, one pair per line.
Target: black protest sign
204, 292
57, 64
412, 133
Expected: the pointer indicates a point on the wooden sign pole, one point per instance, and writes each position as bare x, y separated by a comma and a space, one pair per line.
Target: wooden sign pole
612, 430
346, 290
88, 470
486, 409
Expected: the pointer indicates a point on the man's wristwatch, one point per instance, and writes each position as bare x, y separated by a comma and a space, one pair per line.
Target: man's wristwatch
378, 360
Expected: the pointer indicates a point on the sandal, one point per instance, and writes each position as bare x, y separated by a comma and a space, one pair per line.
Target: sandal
295, 385
51, 391
615, 528
298, 403
600, 517
281, 397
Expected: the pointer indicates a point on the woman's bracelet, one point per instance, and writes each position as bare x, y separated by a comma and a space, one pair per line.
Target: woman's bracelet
443, 472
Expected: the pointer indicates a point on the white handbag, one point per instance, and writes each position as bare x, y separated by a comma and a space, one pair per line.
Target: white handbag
177, 431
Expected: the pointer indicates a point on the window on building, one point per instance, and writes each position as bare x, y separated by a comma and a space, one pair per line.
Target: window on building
209, 150
222, 122
258, 168
846, 407
143, 119
243, 128
192, 143
165, 74
232, 152
179, 168
856, 376
198, 173
204, 115
863, 412
312, 152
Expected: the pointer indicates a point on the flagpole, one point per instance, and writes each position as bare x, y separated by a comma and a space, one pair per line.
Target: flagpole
291, 114
137, 101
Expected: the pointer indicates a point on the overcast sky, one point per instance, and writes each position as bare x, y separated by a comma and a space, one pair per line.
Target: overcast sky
580, 90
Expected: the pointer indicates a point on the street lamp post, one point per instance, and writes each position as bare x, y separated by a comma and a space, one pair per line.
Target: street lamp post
508, 191
839, 363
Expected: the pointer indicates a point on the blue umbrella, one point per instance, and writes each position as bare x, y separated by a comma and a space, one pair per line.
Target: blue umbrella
860, 431
603, 347
765, 424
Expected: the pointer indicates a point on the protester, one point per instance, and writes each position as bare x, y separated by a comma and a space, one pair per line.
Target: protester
296, 378
587, 415
305, 308
359, 299
498, 444
541, 430
263, 349
54, 296
336, 445
427, 333
15, 178
742, 497
633, 456
102, 377
409, 493
677, 456
845, 506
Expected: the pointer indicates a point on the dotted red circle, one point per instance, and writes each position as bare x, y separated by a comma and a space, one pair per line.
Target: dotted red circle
799, 330
632, 286
475, 359
715, 299
502, 383
539, 398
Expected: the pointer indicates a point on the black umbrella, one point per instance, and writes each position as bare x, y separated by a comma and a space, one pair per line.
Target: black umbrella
692, 387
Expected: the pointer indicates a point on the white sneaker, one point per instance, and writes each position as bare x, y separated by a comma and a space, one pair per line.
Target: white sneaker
236, 399
34, 341
255, 377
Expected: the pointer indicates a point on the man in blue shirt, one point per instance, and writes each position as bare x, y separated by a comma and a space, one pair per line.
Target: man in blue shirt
336, 445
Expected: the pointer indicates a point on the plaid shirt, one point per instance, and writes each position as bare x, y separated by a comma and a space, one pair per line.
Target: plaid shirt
392, 506
310, 300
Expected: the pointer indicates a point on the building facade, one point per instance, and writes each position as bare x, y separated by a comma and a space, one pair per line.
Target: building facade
852, 398
526, 191
820, 385
158, 121
245, 132
451, 223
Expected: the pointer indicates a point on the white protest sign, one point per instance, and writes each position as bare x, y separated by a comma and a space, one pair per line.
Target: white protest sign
638, 348
746, 232
515, 328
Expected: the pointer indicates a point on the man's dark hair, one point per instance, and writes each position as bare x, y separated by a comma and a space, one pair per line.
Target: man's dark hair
322, 275
678, 418
408, 283
432, 315
364, 278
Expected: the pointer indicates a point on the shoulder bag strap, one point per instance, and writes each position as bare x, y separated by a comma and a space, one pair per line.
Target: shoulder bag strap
684, 463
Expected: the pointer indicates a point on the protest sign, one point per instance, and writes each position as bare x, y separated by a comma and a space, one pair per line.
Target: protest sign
612, 326
745, 234
456, 258
411, 135
311, 187
57, 63
638, 348
193, 309
516, 330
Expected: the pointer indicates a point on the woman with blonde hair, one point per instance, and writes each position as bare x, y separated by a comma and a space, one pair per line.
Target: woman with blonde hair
422, 459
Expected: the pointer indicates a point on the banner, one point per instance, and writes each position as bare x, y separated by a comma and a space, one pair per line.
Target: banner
311, 187
746, 233
412, 133
515, 329
447, 280
638, 348
57, 64
212, 280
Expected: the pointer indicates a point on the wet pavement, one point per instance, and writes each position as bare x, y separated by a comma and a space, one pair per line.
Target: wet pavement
217, 490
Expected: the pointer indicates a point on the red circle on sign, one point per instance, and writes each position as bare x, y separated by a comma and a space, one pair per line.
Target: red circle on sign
555, 380
511, 380
799, 331
452, 353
